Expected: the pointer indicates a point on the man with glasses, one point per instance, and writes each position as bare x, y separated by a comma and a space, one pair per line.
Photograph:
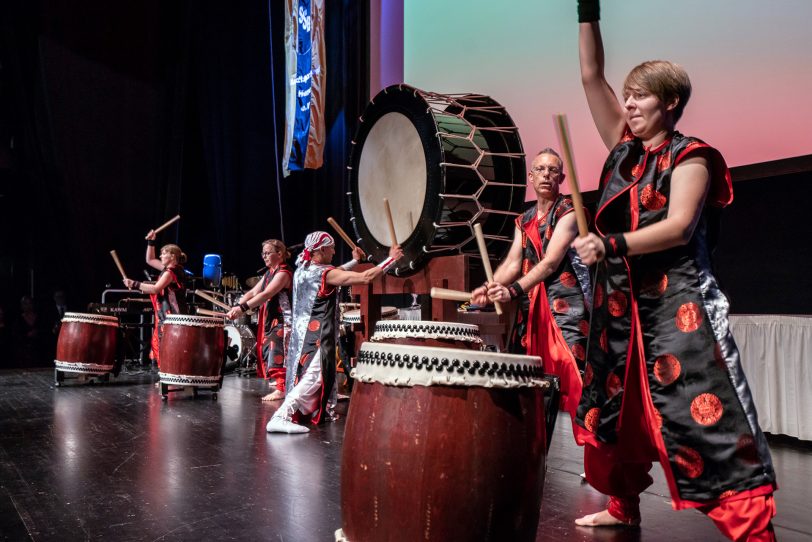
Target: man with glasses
549, 281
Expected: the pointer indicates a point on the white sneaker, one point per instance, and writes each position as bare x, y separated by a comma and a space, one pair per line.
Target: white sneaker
281, 425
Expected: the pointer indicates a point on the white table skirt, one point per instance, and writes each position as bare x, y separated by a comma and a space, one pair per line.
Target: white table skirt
776, 353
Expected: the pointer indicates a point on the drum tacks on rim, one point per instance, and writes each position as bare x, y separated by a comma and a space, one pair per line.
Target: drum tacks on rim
445, 162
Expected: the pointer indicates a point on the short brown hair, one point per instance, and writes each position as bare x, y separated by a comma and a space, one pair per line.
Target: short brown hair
279, 246
664, 79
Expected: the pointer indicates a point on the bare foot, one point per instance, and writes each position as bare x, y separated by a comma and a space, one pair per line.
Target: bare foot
275, 395
604, 519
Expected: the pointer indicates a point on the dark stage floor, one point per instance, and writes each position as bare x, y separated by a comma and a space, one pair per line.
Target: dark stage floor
112, 462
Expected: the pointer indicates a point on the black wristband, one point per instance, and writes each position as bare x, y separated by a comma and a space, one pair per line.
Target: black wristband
150, 242
515, 290
615, 245
136, 285
245, 307
589, 11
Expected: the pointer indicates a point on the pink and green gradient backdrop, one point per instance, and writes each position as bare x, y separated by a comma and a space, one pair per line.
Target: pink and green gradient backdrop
750, 63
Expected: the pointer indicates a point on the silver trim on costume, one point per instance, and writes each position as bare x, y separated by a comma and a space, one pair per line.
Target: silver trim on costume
306, 284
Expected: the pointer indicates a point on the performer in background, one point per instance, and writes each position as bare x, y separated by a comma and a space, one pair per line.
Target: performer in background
168, 293
272, 296
549, 280
664, 382
311, 353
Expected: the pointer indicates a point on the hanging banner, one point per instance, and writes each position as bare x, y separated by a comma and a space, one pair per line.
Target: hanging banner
304, 93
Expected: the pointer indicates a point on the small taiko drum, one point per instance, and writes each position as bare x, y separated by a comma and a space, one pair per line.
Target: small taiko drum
428, 333
192, 352
353, 316
442, 444
86, 344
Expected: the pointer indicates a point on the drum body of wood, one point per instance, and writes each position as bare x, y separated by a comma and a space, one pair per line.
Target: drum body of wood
192, 350
442, 444
86, 343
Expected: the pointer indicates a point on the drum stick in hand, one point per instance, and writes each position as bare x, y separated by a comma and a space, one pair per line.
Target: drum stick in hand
166, 224
450, 295
389, 221
341, 233
212, 299
207, 312
118, 264
569, 164
486, 262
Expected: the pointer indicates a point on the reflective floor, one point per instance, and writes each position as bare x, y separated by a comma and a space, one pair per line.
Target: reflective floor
113, 462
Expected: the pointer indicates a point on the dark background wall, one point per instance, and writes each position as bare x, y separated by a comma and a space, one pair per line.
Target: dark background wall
764, 255
117, 116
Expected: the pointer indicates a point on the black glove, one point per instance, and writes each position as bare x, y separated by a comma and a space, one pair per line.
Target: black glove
589, 11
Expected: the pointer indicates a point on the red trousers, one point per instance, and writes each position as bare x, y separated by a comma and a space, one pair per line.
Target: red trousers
738, 518
622, 472
277, 374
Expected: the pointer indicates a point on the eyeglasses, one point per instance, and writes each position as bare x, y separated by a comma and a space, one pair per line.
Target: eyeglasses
538, 170
267, 254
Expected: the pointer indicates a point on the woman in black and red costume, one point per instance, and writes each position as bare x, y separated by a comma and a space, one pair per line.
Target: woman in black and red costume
272, 296
663, 380
168, 293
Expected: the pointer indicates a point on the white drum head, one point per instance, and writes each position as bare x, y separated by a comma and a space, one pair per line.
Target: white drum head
354, 316
241, 337
393, 166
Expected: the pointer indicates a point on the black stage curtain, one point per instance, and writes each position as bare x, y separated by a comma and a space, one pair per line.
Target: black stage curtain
763, 256
124, 114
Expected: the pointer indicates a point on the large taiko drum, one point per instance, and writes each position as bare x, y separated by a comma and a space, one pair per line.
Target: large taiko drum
192, 352
428, 333
445, 163
442, 444
86, 344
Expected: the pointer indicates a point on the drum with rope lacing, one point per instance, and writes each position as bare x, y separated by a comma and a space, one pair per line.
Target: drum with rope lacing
445, 163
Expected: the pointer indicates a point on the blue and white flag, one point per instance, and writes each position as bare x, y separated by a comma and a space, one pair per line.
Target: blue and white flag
304, 94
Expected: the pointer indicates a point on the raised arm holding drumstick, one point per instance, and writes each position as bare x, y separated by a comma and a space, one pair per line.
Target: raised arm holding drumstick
665, 379
168, 293
311, 352
547, 280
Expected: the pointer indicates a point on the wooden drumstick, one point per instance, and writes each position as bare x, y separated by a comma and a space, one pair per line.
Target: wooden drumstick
166, 224
569, 164
212, 299
486, 262
118, 264
341, 233
450, 295
389, 221
207, 312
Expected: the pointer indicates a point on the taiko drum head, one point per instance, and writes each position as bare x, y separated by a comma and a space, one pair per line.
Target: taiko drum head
445, 163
